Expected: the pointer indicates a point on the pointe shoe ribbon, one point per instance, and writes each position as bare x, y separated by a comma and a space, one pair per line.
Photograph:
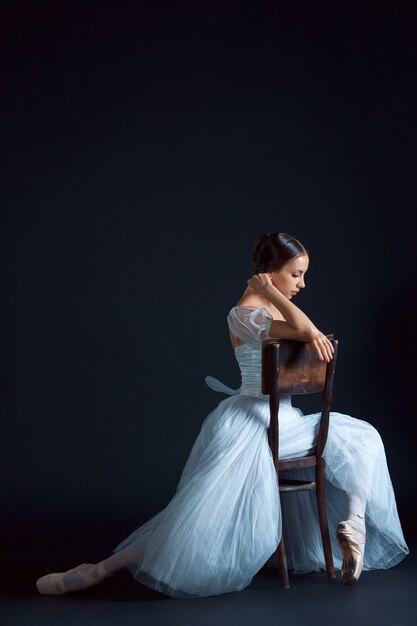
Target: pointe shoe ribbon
350, 542
48, 584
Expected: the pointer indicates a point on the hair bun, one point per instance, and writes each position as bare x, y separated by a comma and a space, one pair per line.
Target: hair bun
262, 239
273, 250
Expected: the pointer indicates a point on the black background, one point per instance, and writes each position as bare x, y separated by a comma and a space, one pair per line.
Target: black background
146, 145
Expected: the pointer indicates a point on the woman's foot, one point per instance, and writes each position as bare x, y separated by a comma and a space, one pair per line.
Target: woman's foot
80, 577
351, 535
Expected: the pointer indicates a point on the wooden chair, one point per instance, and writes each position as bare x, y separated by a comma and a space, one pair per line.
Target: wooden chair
292, 368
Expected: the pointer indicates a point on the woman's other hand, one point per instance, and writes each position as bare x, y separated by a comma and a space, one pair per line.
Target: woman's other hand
259, 283
323, 345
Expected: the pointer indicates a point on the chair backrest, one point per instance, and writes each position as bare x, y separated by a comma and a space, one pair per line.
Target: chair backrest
295, 365
292, 367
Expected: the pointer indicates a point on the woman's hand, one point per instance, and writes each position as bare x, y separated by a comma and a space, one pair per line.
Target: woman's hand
259, 283
323, 345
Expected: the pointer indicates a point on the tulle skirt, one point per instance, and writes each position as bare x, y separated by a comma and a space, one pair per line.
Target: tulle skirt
225, 519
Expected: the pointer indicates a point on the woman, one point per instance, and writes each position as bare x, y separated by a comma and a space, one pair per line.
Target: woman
225, 519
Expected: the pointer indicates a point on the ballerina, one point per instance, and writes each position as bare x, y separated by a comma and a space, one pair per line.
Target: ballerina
225, 520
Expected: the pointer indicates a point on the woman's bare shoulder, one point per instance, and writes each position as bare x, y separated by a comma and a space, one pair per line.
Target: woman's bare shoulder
253, 301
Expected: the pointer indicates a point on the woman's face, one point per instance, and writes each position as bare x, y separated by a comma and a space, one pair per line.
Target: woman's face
290, 277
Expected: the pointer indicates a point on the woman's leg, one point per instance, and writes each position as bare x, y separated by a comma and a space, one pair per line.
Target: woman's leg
121, 559
102, 569
351, 452
355, 513
98, 571
351, 536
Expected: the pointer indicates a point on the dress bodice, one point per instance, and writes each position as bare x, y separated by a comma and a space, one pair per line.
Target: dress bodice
251, 325
250, 363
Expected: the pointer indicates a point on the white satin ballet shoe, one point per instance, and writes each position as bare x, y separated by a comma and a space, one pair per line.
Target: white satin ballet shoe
47, 585
350, 542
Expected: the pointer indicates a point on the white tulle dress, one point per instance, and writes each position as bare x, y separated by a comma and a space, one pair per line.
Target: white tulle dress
225, 519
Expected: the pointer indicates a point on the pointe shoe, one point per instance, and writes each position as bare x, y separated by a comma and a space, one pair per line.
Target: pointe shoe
47, 585
350, 542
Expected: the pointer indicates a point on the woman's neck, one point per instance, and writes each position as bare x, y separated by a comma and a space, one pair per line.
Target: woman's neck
256, 299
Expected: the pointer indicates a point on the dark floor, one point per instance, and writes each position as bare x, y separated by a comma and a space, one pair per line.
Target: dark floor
383, 597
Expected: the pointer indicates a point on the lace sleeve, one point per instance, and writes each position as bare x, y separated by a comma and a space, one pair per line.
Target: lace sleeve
250, 324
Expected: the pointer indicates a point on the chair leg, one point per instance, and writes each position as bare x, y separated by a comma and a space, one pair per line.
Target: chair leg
282, 564
322, 511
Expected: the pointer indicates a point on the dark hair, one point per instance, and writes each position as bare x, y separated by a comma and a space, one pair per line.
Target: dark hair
273, 250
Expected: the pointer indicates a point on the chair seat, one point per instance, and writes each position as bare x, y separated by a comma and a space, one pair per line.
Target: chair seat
288, 484
304, 461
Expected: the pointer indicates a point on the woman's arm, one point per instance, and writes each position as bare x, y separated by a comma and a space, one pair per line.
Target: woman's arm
293, 315
261, 283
